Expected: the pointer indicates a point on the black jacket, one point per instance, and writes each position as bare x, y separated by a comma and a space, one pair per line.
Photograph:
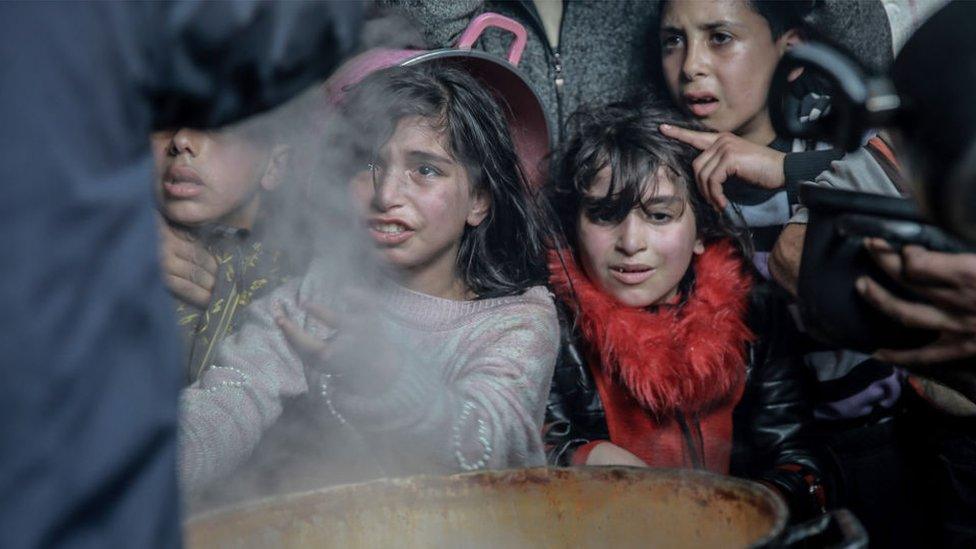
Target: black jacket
768, 423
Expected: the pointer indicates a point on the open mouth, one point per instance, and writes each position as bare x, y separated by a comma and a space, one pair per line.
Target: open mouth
631, 274
389, 231
701, 105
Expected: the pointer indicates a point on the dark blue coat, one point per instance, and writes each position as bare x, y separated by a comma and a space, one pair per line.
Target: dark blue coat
89, 373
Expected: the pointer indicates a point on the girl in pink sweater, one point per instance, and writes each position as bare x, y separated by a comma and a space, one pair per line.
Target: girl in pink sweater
452, 372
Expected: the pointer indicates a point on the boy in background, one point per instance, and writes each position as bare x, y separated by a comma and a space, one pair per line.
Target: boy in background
717, 60
213, 190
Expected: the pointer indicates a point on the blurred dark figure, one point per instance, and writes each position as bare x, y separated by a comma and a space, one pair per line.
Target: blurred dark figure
90, 377
924, 284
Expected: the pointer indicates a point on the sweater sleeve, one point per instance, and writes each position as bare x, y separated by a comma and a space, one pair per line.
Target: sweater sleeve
224, 414
856, 171
487, 412
806, 166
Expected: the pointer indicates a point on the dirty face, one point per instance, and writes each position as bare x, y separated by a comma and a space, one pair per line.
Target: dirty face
718, 59
641, 260
416, 201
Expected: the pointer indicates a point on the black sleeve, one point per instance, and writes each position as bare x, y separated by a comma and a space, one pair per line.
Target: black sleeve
216, 62
772, 420
806, 166
574, 413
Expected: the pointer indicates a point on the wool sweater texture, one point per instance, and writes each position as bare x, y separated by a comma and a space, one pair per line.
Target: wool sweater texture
469, 389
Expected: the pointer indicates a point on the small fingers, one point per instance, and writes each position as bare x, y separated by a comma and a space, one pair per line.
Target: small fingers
323, 315
192, 273
699, 140
301, 341
187, 291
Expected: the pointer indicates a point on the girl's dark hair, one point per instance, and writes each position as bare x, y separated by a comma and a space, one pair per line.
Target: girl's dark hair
625, 137
505, 253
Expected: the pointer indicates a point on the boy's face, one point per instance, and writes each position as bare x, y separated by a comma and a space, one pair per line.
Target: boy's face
641, 260
210, 177
416, 202
718, 58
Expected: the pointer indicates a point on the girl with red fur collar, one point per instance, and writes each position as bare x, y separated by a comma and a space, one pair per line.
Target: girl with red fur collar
674, 355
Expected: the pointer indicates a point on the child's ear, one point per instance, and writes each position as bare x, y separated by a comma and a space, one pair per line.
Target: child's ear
699, 247
274, 173
479, 208
786, 41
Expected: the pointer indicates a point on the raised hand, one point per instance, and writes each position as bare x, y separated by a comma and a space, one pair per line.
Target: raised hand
725, 155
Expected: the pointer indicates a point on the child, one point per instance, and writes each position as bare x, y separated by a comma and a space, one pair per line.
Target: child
453, 374
717, 60
681, 358
212, 189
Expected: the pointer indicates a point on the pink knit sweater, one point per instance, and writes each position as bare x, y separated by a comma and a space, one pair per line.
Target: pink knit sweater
469, 393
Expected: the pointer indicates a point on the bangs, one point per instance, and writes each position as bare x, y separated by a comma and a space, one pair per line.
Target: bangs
635, 175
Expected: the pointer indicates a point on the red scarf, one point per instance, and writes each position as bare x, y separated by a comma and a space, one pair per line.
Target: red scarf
688, 358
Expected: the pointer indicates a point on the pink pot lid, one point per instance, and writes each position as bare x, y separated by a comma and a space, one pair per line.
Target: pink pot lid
523, 109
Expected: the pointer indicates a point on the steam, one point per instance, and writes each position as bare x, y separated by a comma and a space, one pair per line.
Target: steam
312, 219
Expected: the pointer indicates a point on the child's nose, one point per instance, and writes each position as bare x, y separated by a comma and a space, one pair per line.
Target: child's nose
186, 141
696, 60
631, 238
386, 189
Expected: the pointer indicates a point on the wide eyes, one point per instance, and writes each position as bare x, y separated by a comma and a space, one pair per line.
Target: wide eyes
427, 170
720, 38
672, 41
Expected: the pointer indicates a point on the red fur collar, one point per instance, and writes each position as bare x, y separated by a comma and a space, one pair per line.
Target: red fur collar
686, 358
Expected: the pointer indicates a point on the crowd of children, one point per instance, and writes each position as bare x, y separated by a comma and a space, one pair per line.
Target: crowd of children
624, 314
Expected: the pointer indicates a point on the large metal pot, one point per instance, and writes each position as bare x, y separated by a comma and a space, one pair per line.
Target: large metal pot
581, 507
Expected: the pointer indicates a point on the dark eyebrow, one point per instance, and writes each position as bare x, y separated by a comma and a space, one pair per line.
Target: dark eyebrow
425, 156
719, 24
674, 30
661, 201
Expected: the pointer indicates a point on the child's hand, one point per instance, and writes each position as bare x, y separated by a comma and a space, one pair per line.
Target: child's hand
314, 351
608, 453
354, 350
189, 270
725, 155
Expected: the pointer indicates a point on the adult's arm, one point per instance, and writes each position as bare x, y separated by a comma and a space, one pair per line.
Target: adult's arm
784, 262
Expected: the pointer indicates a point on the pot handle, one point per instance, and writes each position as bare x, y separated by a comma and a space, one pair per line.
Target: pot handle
485, 20
838, 529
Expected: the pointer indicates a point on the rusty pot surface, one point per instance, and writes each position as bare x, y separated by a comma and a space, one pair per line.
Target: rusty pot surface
578, 507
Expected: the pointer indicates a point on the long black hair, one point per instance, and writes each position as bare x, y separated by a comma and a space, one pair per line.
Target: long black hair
625, 137
505, 253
